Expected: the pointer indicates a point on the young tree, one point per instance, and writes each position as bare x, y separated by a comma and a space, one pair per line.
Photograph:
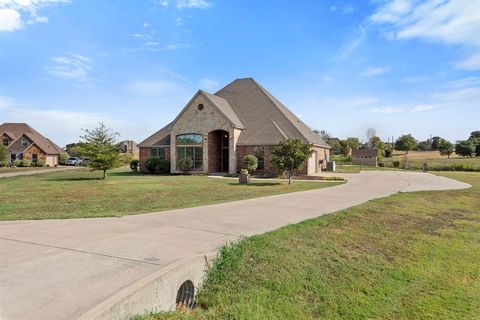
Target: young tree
446, 148
475, 138
3, 153
100, 146
376, 143
371, 132
465, 148
291, 155
250, 162
405, 143
344, 148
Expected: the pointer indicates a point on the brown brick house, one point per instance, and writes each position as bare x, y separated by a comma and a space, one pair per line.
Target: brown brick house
217, 130
25, 143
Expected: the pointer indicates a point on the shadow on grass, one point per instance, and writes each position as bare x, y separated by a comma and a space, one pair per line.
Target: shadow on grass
124, 174
75, 179
256, 184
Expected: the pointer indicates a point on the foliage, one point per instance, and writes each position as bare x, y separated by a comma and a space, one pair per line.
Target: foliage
435, 143
446, 148
163, 166
62, 159
3, 153
39, 164
16, 162
134, 165
324, 135
396, 164
353, 143
185, 165
3, 164
100, 146
75, 149
125, 158
376, 143
250, 162
465, 148
157, 165
344, 148
422, 146
475, 138
405, 143
291, 155
25, 163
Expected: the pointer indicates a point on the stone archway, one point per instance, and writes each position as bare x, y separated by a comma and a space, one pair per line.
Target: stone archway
218, 151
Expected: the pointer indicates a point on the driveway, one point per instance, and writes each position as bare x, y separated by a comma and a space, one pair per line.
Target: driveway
60, 269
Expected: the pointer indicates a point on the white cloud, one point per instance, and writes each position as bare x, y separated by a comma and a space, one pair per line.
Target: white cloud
443, 21
374, 71
351, 43
199, 4
72, 67
10, 20
348, 8
386, 110
12, 12
209, 84
422, 107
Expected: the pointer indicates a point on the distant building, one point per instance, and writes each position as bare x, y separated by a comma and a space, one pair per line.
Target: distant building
368, 157
25, 143
128, 146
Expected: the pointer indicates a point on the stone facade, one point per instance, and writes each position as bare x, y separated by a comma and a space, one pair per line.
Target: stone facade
33, 149
196, 121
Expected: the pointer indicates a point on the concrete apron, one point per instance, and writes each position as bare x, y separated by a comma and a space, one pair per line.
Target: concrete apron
109, 268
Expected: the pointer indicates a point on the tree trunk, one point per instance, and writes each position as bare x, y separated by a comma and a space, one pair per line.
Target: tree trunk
289, 177
104, 174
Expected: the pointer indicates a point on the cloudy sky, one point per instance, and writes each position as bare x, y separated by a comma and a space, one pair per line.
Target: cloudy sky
402, 66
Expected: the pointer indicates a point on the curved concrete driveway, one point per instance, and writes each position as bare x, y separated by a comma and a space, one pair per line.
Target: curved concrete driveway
91, 268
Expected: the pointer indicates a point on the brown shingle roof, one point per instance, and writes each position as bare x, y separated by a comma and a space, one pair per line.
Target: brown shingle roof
248, 106
256, 107
17, 130
364, 152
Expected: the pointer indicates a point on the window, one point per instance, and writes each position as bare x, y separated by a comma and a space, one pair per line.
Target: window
13, 157
24, 142
34, 158
260, 154
157, 153
190, 146
5, 141
189, 139
200, 107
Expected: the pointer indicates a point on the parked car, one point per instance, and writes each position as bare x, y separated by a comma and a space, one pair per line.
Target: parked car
85, 162
73, 161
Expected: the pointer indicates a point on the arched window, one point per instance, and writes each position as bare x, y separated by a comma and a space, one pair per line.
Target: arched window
190, 146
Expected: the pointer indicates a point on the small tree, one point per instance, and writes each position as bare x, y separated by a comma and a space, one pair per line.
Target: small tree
3, 153
250, 162
446, 148
465, 148
185, 165
134, 164
100, 147
291, 155
405, 143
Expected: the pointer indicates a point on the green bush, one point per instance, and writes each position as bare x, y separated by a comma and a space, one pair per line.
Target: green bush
381, 164
396, 164
185, 165
25, 163
250, 162
163, 166
3, 164
16, 163
134, 165
63, 158
39, 164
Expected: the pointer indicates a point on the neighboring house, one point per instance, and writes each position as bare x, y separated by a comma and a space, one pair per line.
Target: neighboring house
25, 143
217, 130
366, 157
128, 146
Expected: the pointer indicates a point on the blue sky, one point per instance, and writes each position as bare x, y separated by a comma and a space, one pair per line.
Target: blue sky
402, 66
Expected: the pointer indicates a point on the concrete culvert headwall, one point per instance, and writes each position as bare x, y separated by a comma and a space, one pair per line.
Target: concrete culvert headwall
186, 296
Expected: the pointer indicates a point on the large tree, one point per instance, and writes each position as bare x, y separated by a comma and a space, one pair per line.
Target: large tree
291, 155
100, 146
465, 148
446, 148
353, 143
475, 138
405, 143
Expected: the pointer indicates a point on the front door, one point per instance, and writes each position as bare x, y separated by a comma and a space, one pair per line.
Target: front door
224, 159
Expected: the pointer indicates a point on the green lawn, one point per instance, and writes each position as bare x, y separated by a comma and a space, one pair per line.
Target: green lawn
407, 256
80, 193
19, 169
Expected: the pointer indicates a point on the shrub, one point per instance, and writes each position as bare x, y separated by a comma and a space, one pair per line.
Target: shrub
134, 165
396, 164
185, 165
125, 158
381, 164
63, 158
163, 166
3, 164
39, 163
250, 162
25, 163
151, 164
16, 163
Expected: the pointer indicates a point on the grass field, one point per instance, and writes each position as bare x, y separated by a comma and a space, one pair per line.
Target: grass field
415, 160
80, 193
19, 169
407, 256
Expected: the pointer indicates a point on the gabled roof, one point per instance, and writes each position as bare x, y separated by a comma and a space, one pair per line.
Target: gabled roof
161, 137
17, 130
224, 108
256, 107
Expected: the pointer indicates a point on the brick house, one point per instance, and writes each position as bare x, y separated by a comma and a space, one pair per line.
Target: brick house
217, 130
25, 143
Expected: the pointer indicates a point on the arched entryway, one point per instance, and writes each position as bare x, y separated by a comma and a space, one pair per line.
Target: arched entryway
218, 151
